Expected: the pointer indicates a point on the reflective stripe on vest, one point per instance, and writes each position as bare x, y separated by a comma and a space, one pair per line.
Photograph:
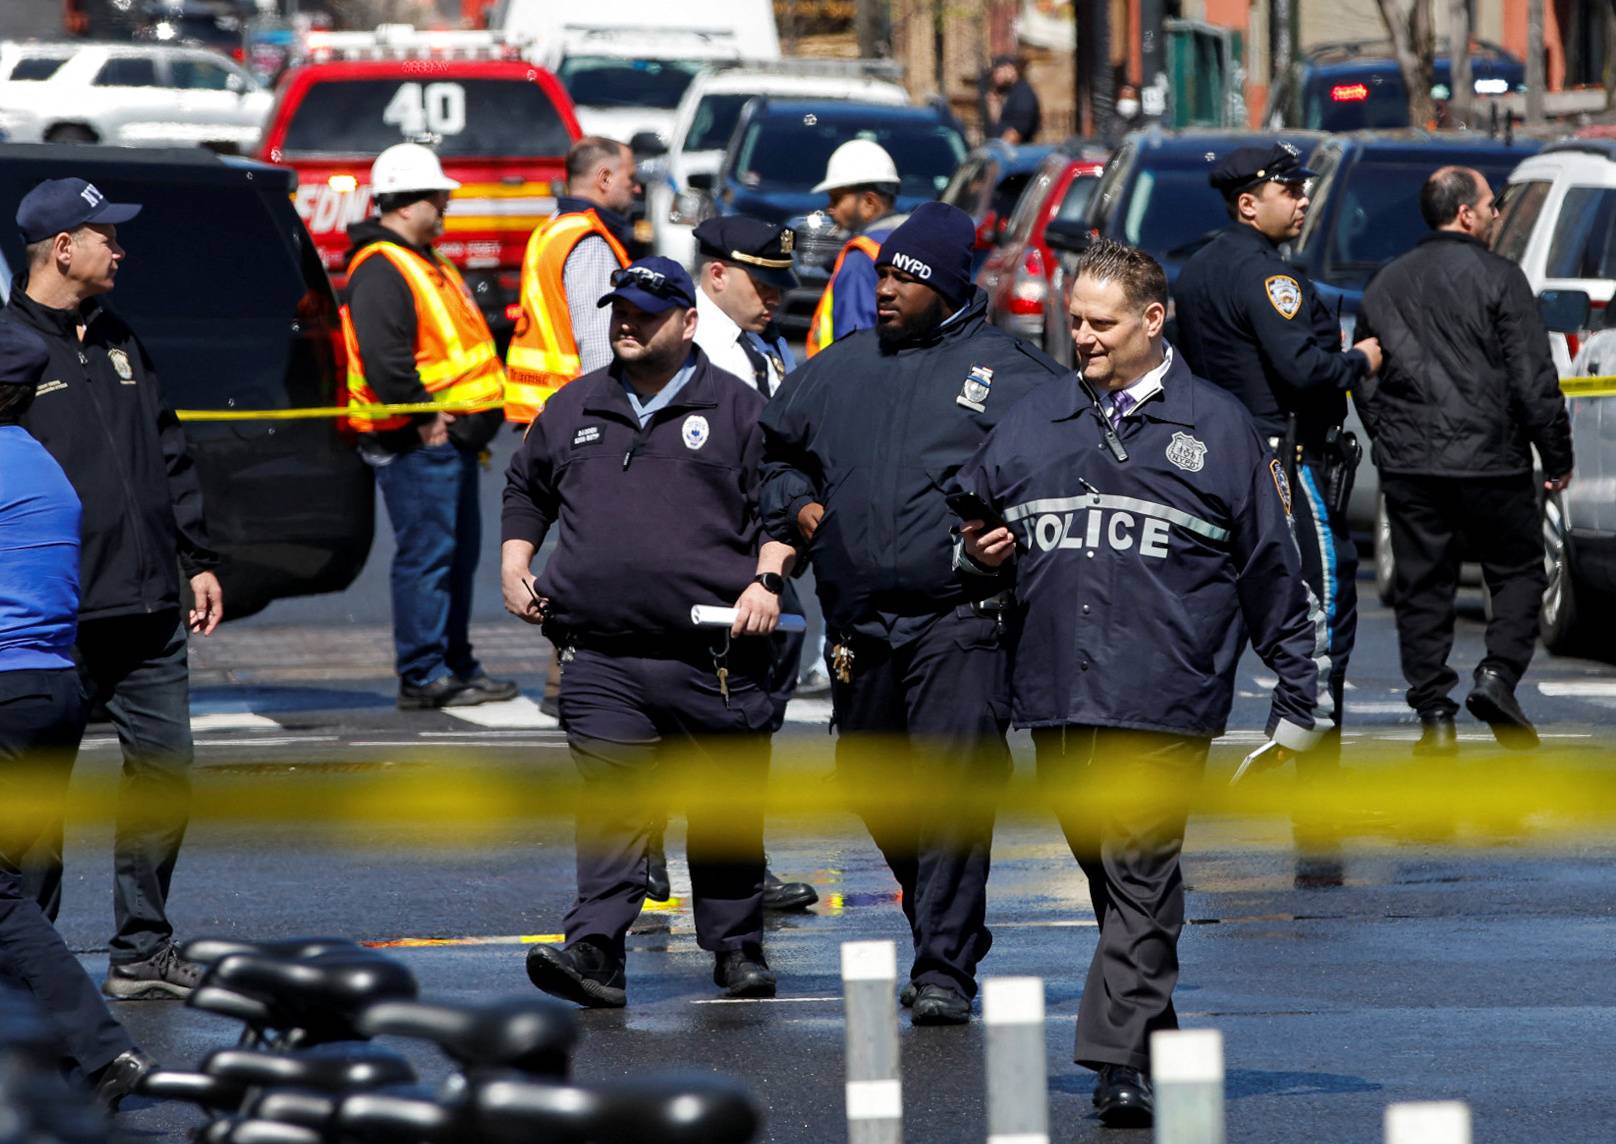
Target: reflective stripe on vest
544, 354
822, 329
454, 351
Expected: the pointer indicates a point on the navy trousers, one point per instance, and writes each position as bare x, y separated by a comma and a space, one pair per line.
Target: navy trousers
638, 725
41, 721
921, 748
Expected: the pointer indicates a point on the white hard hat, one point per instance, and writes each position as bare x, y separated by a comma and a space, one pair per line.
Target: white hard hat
858, 163
408, 167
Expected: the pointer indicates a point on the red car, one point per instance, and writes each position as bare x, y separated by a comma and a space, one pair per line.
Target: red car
501, 127
1018, 274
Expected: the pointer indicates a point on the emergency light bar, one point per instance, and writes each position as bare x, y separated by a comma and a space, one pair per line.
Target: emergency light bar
404, 42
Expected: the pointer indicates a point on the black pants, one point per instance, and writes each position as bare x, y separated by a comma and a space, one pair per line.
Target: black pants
137, 666
1433, 521
1128, 842
921, 747
634, 723
41, 722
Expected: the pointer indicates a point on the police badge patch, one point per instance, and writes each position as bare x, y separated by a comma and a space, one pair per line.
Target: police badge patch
1285, 294
121, 366
694, 431
978, 385
1187, 453
1282, 484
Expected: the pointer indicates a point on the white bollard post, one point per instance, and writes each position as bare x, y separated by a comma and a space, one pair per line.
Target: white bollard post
1017, 1071
1186, 1075
1428, 1122
874, 1090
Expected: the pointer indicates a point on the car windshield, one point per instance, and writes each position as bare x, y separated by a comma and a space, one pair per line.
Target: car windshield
612, 81
714, 121
469, 117
790, 154
1171, 209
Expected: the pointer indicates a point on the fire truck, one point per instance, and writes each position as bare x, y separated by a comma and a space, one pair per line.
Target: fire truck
500, 124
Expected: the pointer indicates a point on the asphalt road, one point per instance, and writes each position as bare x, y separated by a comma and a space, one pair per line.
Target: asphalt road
1473, 970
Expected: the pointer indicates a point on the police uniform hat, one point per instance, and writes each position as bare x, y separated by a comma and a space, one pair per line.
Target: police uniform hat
762, 249
1245, 167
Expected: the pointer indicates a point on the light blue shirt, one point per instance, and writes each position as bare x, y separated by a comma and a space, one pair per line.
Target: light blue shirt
663, 397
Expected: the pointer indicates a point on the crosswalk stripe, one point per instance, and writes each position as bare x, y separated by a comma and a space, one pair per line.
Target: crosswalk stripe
519, 713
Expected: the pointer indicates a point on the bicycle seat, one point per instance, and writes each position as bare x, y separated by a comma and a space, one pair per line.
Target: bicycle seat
258, 1132
324, 1069
207, 950
322, 995
388, 1117
193, 1088
531, 1034
228, 1003
667, 1110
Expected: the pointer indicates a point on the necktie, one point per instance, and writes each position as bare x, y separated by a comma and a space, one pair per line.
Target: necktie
1120, 404
760, 364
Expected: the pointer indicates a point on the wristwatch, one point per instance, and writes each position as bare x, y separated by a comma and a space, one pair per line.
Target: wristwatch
771, 581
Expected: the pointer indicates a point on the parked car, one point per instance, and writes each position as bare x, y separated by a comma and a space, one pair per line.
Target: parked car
503, 127
779, 151
128, 95
987, 187
1559, 224
1348, 87
1022, 274
224, 287
711, 107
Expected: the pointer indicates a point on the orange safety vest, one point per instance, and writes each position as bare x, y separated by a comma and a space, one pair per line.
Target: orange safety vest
544, 355
454, 351
822, 329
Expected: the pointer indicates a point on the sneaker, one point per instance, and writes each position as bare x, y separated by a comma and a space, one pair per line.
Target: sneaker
119, 1077
445, 692
783, 896
583, 973
938, 1005
160, 977
814, 681
743, 973
484, 688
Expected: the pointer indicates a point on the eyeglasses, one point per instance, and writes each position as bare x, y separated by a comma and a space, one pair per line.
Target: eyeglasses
651, 281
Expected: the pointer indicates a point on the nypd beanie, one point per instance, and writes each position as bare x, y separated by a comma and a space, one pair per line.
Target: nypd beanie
934, 246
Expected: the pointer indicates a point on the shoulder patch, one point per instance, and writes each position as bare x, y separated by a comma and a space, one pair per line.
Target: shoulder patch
1282, 484
1285, 293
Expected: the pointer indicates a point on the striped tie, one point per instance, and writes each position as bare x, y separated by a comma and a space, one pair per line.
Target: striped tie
1120, 404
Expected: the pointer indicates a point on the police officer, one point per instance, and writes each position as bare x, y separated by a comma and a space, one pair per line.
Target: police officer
1253, 324
858, 447
415, 336
861, 183
648, 470
1147, 526
745, 270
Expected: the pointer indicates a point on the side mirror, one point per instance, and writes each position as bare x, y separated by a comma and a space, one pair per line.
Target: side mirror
700, 181
647, 144
1069, 235
1564, 311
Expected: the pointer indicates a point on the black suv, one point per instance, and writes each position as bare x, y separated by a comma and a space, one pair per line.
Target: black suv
224, 287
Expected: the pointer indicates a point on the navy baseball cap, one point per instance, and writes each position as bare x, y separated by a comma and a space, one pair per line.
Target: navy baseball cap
1245, 167
762, 249
654, 284
59, 205
23, 355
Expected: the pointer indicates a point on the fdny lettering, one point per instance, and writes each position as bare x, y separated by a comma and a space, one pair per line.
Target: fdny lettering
1121, 531
911, 265
588, 435
326, 210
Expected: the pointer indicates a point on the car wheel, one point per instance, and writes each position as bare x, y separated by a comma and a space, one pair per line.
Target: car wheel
1563, 600
1385, 561
70, 133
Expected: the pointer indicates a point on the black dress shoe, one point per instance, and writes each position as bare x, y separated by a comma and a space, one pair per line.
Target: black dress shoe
1438, 735
938, 1005
484, 688
583, 973
778, 895
119, 1077
657, 886
743, 973
907, 995
1493, 702
1123, 1099
445, 692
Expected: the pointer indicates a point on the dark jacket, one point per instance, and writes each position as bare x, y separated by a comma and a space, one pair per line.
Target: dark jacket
1252, 323
650, 521
124, 450
875, 434
382, 310
1138, 581
1468, 386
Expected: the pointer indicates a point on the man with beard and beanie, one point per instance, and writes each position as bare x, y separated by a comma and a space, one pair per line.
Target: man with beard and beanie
858, 447
647, 471
415, 336
1252, 323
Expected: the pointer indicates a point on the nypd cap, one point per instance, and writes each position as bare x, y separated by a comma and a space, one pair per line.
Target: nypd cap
60, 205
762, 249
1245, 167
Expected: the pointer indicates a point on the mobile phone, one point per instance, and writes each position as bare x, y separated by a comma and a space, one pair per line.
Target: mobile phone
969, 506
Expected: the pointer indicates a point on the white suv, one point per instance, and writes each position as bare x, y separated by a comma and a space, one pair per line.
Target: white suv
1559, 224
707, 116
132, 95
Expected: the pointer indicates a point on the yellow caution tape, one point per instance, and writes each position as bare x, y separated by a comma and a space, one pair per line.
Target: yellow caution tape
372, 412
1588, 386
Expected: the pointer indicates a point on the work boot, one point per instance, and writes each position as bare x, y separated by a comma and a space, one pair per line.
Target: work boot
119, 1077
484, 688
583, 973
743, 972
1123, 1099
783, 896
445, 692
1438, 735
161, 977
939, 1005
1493, 702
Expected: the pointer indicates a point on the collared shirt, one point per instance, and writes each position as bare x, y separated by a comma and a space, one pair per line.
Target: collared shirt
720, 339
662, 398
1142, 389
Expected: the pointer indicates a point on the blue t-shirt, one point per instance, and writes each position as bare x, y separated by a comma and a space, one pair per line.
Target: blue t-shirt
39, 550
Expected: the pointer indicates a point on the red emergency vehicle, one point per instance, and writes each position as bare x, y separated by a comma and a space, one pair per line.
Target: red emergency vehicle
501, 126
